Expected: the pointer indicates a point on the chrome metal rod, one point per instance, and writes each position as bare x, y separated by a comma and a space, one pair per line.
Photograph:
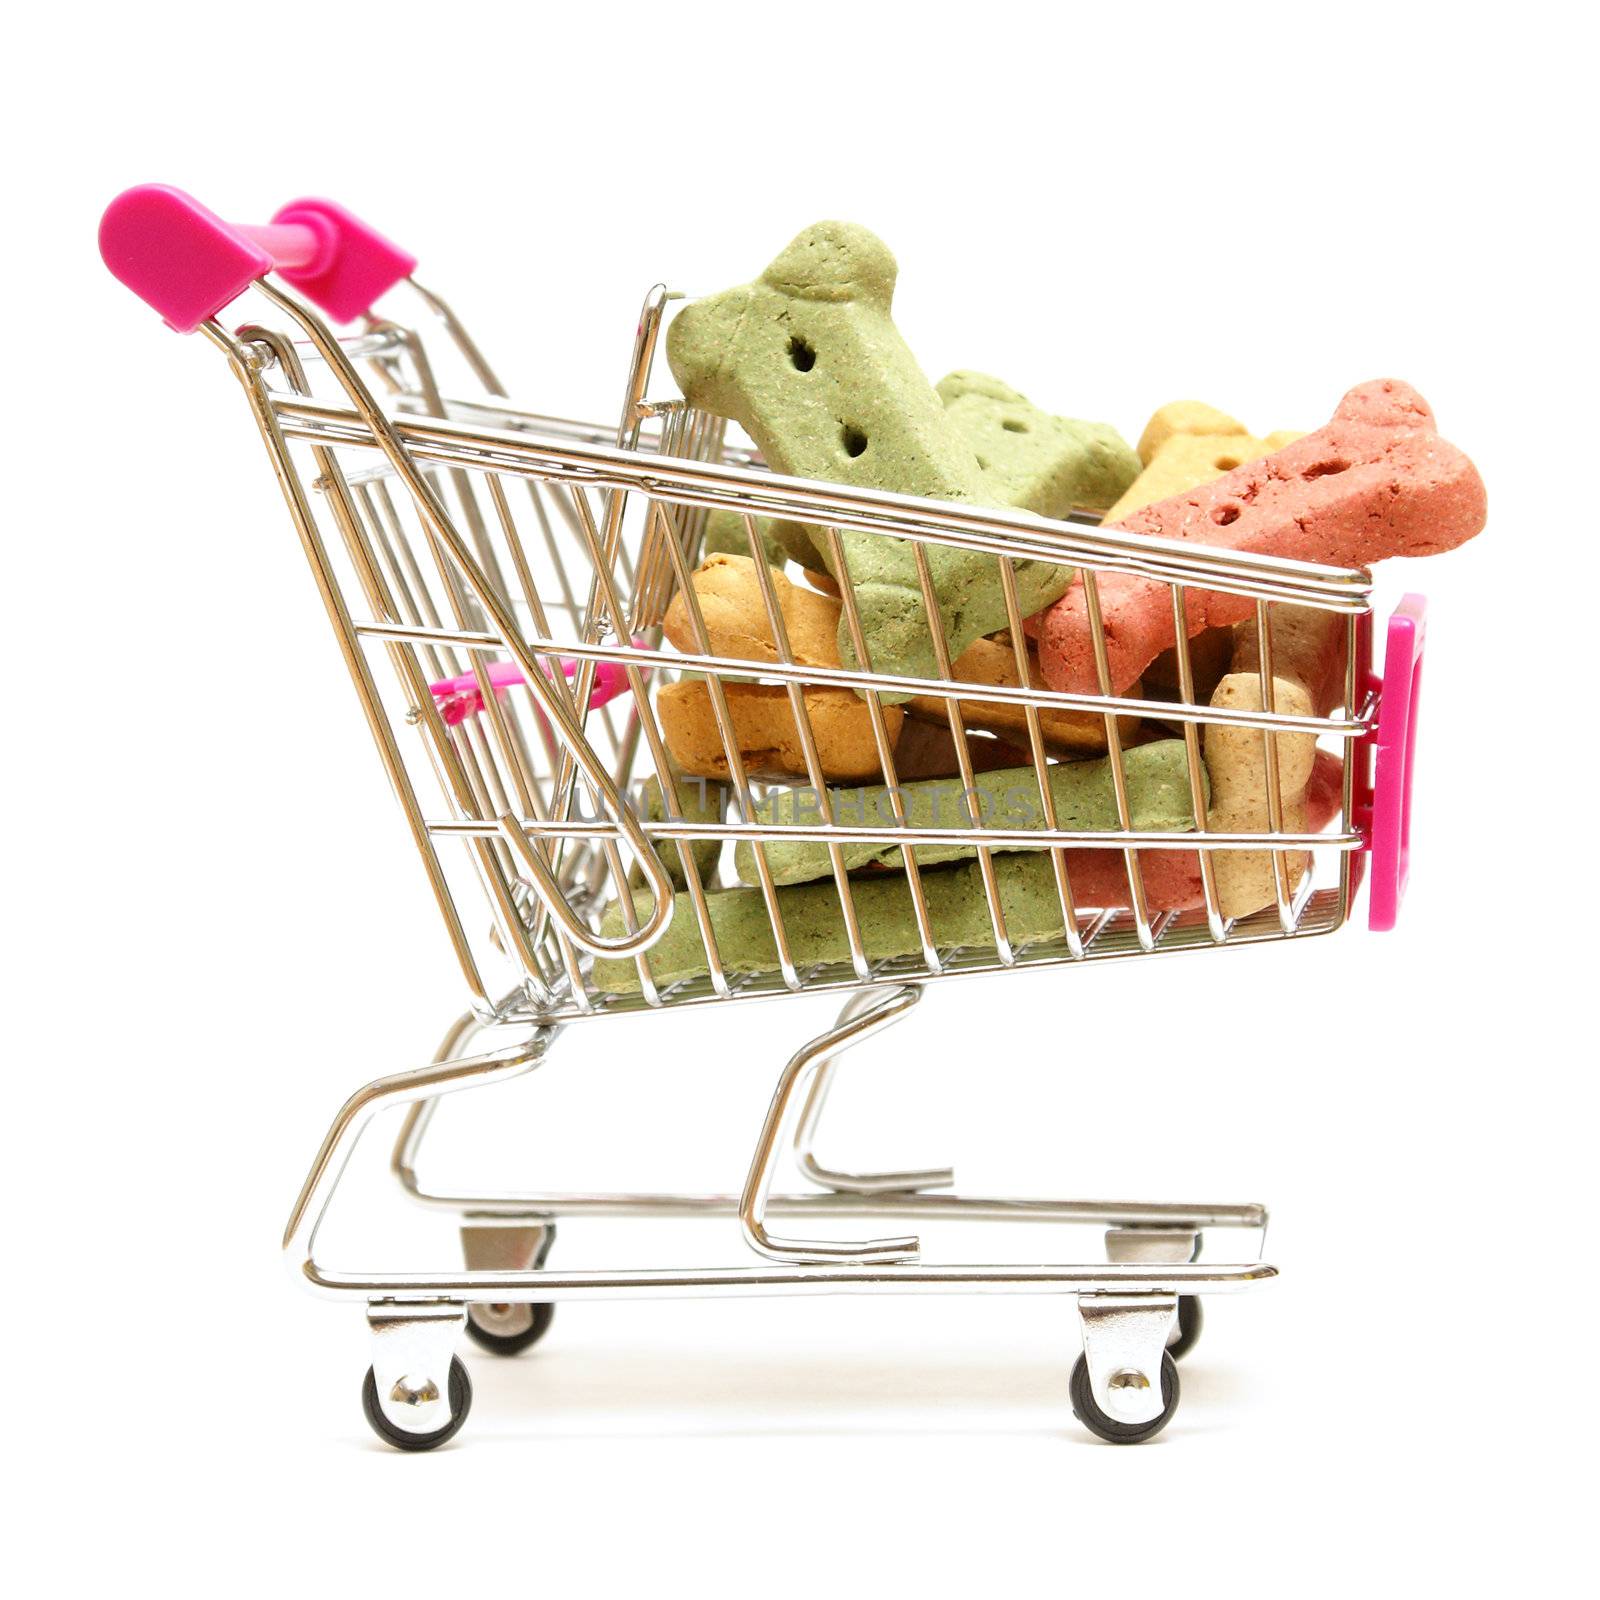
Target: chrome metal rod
805, 1133
711, 1282
849, 1031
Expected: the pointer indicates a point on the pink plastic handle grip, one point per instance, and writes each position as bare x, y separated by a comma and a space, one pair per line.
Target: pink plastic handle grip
186, 262
1386, 818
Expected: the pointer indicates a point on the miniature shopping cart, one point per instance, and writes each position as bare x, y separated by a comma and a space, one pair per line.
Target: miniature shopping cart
497, 582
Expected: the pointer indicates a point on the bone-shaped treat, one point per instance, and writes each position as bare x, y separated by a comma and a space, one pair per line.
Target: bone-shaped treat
1187, 443
1307, 649
1377, 481
1082, 795
1026, 458
958, 906
958, 910
808, 361
1237, 765
1184, 444
770, 741
728, 588
1030, 459
693, 802
1172, 877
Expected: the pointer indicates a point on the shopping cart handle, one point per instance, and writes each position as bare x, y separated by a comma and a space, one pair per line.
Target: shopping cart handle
187, 263
1384, 817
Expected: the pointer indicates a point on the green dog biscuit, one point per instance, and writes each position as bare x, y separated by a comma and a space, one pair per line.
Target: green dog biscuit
782, 541
1032, 460
1158, 799
1026, 458
958, 912
698, 801
808, 361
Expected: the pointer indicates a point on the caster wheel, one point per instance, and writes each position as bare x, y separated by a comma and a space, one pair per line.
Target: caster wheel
1108, 1428
460, 1405
1190, 1321
508, 1330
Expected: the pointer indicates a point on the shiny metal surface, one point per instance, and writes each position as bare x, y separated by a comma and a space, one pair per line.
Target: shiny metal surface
1124, 1336
446, 534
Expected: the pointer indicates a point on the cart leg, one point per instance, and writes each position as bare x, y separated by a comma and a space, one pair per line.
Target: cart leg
507, 1244
408, 1145
805, 1132
856, 1024
416, 1393
1125, 1386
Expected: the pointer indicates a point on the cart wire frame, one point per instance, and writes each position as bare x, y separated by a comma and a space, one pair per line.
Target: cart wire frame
545, 817
448, 535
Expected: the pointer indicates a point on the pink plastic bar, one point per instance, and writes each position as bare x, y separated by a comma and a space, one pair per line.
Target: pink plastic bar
177, 256
356, 267
1386, 816
186, 262
459, 698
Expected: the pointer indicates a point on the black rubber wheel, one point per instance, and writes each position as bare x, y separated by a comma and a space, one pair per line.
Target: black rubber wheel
1107, 1428
512, 1344
460, 1405
1190, 1321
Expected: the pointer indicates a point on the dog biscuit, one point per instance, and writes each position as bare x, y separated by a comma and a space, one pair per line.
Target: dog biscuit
1237, 766
1188, 443
735, 613
813, 921
1377, 481
958, 908
808, 361
1307, 649
1028, 458
782, 541
728, 588
1172, 877
1082, 791
764, 726
1066, 733
697, 801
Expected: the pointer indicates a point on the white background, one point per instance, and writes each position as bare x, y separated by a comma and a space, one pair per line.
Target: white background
217, 932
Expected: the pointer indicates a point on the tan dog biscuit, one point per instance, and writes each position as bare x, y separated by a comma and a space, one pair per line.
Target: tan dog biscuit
1307, 649
729, 590
1067, 733
764, 727
1236, 763
1188, 443
1171, 878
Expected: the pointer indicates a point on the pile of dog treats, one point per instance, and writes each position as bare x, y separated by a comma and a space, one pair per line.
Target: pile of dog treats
807, 360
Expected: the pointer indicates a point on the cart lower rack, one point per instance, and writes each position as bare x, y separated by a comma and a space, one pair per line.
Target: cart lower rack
499, 580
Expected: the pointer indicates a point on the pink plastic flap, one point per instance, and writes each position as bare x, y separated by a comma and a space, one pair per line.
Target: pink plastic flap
1386, 820
356, 266
176, 255
188, 263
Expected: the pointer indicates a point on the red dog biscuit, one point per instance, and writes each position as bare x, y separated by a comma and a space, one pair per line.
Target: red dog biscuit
1377, 481
1172, 877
